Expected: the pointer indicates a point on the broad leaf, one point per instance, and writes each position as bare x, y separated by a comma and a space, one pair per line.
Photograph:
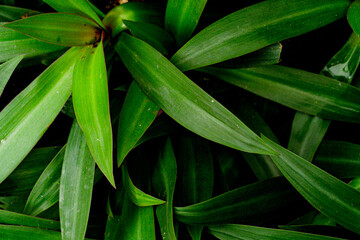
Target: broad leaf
182, 17
353, 16
58, 28
164, 180
137, 114
255, 27
297, 89
76, 184
6, 70
81, 7
183, 100
332, 197
10, 13
244, 232
45, 192
91, 105
25, 120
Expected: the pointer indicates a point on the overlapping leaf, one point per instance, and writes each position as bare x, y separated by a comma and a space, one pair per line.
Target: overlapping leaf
353, 16
6, 70
10, 13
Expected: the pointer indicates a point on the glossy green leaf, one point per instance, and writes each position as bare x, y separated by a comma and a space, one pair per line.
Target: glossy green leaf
137, 114
13, 218
58, 28
164, 180
24, 120
297, 89
255, 27
10, 13
244, 232
13, 44
152, 34
182, 17
9, 232
81, 7
267, 200
353, 16
45, 192
183, 100
76, 184
133, 11
266, 56
137, 196
6, 70
341, 159
330, 196
91, 105
323, 230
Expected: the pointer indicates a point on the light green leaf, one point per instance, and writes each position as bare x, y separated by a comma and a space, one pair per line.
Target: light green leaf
10, 13
332, 197
137, 196
58, 28
255, 27
6, 70
297, 89
81, 7
164, 180
13, 218
77, 178
27, 117
9, 232
353, 16
183, 100
45, 192
182, 17
91, 105
244, 232
137, 114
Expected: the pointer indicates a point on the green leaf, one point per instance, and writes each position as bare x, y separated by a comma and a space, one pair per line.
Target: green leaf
152, 34
58, 28
45, 192
353, 16
164, 180
13, 44
133, 11
76, 184
81, 7
244, 232
137, 114
183, 100
266, 199
297, 89
182, 17
25, 120
137, 196
10, 13
327, 194
91, 105
9, 232
6, 70
341, 159
255, 27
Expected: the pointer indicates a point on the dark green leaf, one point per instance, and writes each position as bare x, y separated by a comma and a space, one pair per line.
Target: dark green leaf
91, 105
45, 192
6, 70
9, 232
137, 114
10, 13
76, 184
243, 232
353, 16
327, 194
58, 28
297, 89
182, 17
25, 120
12, 218
255, 27
183, 100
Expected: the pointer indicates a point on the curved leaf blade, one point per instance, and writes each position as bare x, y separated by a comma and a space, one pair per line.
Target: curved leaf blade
330, 196
91, 105
255, 27
183, 100
10, 13
12, 218
6, 70
58, 28
353, 16
76, 184
25, 115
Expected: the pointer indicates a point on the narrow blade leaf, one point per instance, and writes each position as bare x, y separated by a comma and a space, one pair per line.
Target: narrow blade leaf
12, 218
353, 16
19, 232
10, 13
6, 70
